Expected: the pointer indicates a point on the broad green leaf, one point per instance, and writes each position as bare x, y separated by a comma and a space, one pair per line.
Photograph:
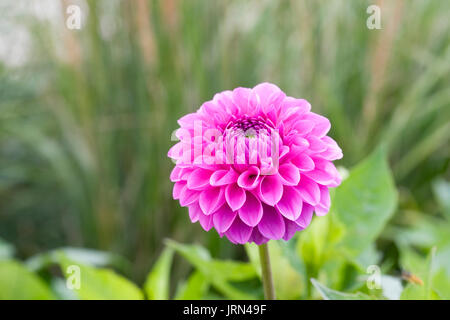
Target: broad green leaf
19, 283
232, 270
157, 284
90, 257
194, 289
365, 202
330, 294
217, 272
288, 282
99, 284
441, 283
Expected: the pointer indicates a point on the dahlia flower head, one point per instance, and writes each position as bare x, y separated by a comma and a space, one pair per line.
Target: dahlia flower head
254, 164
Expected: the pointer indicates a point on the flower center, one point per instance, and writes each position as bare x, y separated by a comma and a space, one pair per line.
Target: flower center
248, 127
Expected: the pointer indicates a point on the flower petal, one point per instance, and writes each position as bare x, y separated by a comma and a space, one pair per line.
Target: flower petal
177, 188
309, 190
175, 175
316, 145
199, 179
188, 197
290, 205
305, 218
249, 178
211, 200
205, 221
321, 124
289, 174
195, 212
303, 162
239, 232
325, 173
252, 211
223, 218
303, 127
257, 237
323, 206
271, 189
223, 177
291, 228
272, 224
235, 196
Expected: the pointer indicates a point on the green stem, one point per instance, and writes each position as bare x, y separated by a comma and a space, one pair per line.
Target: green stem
269, 291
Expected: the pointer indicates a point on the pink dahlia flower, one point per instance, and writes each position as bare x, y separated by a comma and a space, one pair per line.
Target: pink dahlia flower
254, 164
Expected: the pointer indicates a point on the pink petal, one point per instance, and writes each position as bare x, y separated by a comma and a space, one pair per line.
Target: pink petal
205, 221
292, 106
289, 174
195, 212
249, 179
303, 127
291, 229
223, 218
324, 204
272, 224
290, 205
325, 173
188, 197
223, 177
235, 196
303, 162
309, 190
211, 200
257, 237
175, 175
177, 187
321, 124
271, 189
176, 151
270, 96
252, 211
187, 121
316, 145
305, 218
241, 97
199, 179
239, 232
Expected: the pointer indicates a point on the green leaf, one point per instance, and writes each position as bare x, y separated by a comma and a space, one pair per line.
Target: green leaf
365, 202
99, 284
217, 272
157, 284
19, 283
90, 257
330, 294
195, 288
441, 283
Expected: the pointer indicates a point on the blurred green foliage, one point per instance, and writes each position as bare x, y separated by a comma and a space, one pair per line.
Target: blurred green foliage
86, 122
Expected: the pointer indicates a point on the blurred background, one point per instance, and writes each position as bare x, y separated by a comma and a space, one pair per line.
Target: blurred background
86, 115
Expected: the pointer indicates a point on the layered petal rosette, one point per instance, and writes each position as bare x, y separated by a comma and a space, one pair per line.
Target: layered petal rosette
254, 164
